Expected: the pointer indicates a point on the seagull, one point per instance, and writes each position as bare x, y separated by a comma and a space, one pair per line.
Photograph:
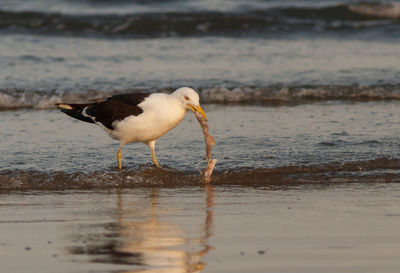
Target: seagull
137, 117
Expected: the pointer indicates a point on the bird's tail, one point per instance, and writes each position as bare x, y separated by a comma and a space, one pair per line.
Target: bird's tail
75, 110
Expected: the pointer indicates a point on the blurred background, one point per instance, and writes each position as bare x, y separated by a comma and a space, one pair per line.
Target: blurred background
266, 51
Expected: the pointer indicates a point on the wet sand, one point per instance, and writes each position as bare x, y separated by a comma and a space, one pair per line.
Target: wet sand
316, 227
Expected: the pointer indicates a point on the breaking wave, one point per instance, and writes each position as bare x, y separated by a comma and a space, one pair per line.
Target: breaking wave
378, 10
268, 95
382, 170
342, 17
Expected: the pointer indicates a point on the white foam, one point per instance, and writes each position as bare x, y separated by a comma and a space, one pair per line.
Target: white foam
269, 95
391, 10
14, 99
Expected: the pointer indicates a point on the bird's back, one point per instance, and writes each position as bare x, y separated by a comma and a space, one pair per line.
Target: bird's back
105, 113
161, 113
137, 117
116, 108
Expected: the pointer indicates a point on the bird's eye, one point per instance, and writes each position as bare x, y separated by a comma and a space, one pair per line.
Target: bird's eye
186, 98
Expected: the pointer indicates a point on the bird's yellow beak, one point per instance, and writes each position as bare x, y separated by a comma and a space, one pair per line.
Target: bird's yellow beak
197, 109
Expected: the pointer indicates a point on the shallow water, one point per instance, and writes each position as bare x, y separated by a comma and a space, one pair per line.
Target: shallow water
285, 228
322, 141
329, 69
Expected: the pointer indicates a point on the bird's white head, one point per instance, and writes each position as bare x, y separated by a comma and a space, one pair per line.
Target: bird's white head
189, 99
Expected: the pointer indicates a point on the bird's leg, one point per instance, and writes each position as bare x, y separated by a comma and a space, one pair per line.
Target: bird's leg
152, 145
154, 158
119, 156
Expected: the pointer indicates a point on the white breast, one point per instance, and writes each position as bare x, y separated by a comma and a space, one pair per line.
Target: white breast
161, 113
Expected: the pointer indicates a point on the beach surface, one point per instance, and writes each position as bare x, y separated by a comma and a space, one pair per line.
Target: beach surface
315, 227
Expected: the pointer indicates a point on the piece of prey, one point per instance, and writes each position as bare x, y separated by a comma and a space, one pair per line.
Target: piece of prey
207, 172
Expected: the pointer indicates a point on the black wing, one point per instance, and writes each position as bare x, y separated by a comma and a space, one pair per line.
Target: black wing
116, 108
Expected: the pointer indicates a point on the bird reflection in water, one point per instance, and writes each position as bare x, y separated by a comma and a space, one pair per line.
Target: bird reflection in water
142, 240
